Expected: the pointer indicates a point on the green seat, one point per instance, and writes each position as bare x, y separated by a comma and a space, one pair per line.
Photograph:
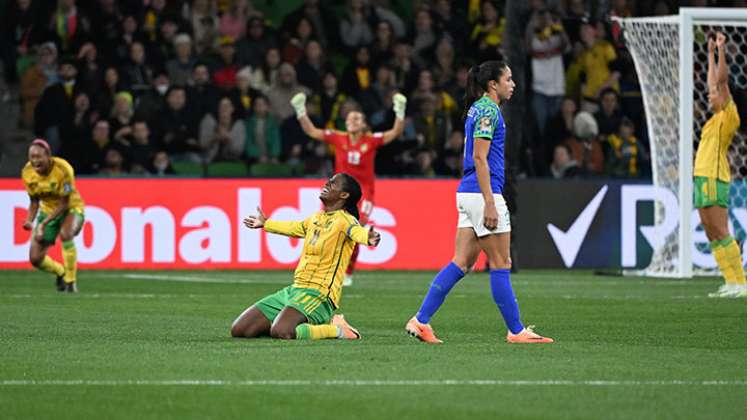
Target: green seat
187, 168
227, 170
271, 170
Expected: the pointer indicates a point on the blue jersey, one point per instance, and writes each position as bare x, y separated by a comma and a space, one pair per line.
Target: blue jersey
484, 121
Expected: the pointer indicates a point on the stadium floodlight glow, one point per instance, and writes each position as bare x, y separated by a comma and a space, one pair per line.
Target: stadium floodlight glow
670, 56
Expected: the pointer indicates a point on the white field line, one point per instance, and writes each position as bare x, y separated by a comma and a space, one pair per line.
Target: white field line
213, 278
363, 382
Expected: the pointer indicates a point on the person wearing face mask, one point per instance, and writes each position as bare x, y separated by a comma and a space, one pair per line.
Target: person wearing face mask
56, 106
150, 104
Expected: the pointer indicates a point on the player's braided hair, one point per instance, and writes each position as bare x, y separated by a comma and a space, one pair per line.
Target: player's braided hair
351, 186
477, 81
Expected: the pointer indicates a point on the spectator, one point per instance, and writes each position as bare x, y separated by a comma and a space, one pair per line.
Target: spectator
76, 135
266, 74
178, 128
181, 66
243, 96
114, 163
251, 49
205, 22
327, 103
451, 21
152, 18
458, 86
103, 95
297, 146
451, 157
443, 62
357, 76
160, 50
282, 91
384, 83
324, 22
608, 117
203, 95
423, 36
262, 134
55, 108
355, 28
90, 74
382, 47
427, 88
20, 33
431, 127
487, 33
151, 104
405, 68
310, 68
141, 151
547, 41
559, 128
627, 156
233, 23
222, 135
128, 36
295, 46
585, 146
137, 75
106, 29
594, 64
68, 27
95, 150
224, 76
563, 165
37, 78
120, 121
162, 164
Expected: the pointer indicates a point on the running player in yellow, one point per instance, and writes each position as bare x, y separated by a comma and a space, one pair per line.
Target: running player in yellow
50, 183
712, 174
304, 309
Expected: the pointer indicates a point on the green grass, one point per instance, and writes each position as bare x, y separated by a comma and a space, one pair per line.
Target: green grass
641, 336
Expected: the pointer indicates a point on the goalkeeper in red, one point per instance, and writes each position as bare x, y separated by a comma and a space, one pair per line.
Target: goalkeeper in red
355, 151
304, 309
712, 174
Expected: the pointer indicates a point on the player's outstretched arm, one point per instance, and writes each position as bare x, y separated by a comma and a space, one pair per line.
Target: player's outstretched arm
364, 236
298, 102
399, 104
294, 229
722, 71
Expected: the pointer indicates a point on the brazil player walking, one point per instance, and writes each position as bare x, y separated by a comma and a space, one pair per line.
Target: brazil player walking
355, 151
304, 309
712, 174
483, 216
50, 183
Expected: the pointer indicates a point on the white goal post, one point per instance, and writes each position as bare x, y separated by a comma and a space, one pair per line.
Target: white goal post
670, 56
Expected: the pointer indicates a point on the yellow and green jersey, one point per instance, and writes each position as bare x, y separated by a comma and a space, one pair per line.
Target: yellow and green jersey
50, 188
329, 239
711, 159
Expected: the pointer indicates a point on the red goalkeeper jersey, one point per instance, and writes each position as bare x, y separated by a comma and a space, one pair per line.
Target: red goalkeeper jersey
356, 159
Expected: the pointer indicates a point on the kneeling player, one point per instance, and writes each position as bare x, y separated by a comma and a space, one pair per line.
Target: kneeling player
304, 309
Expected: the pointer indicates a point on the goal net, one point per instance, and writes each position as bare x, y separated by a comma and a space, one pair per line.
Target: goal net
670, 55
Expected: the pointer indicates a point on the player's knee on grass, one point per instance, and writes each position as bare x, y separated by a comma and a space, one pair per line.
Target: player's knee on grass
283, 332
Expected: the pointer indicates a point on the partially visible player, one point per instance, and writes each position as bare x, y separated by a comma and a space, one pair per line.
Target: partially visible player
355, 151
50, 183
304, 309
712, 173
484, 223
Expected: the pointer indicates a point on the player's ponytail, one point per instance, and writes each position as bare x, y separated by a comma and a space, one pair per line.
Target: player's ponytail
351, 186
477, 81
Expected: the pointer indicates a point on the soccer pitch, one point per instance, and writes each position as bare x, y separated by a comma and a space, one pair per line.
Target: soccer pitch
155, 345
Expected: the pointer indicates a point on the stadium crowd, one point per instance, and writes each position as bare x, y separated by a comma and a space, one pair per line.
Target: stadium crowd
162, 86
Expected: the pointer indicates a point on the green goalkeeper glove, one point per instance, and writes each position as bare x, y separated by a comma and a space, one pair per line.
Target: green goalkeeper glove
298, 102
400, 101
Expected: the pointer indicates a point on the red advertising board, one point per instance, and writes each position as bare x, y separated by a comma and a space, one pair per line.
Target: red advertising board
186, 223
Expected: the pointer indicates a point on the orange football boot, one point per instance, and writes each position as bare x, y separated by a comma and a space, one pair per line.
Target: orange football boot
527, 335
422, 332
348, 332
